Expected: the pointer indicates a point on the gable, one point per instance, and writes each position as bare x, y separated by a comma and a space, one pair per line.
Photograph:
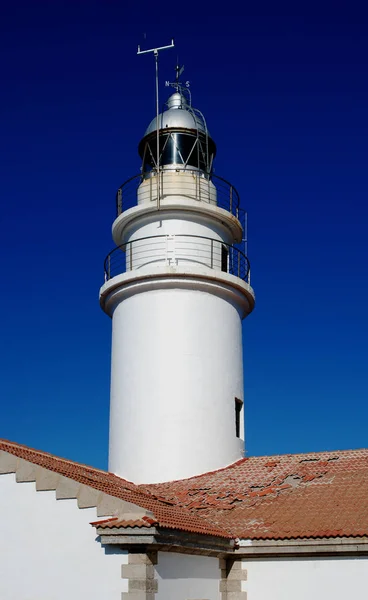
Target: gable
51, 549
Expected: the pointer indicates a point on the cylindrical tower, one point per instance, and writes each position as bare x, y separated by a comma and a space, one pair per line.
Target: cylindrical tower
177, 288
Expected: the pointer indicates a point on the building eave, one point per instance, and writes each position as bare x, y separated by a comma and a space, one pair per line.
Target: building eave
160, 538
302, 547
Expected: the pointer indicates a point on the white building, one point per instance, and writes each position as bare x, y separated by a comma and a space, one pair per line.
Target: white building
181, 513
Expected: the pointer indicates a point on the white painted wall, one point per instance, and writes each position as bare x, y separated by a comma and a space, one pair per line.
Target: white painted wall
48, 550
306, 579
170, 222
185, 577
176, 371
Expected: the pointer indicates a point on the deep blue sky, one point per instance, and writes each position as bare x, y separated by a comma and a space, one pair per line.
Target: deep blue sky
285, 93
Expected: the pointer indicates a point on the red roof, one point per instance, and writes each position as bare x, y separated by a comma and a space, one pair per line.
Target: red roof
264, 497
279, 497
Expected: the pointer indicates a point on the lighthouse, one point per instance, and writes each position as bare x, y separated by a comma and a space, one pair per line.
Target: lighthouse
177, 287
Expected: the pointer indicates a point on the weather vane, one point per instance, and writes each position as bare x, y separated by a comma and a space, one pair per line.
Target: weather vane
179, 71
179, 87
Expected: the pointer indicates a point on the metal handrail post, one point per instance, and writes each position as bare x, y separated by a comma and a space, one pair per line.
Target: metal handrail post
119, 207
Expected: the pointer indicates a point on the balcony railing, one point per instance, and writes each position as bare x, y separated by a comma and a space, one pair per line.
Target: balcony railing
177, 250
227, 196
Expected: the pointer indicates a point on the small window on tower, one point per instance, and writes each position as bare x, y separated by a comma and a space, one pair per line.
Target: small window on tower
224, 257
238, 409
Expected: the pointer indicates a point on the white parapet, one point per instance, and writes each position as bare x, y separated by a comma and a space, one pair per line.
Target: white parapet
178, 184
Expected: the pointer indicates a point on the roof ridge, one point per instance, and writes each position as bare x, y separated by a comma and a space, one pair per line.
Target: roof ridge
42, 453
55, 457
312, 453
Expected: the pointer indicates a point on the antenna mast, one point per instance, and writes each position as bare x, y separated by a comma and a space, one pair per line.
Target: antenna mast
155, 53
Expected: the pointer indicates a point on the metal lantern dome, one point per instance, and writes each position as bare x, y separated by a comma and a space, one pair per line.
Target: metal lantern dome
184, 140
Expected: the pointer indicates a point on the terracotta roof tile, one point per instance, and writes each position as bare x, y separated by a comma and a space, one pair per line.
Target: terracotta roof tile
263, 497
125, 523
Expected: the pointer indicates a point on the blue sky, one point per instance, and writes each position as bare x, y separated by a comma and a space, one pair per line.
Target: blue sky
284, 89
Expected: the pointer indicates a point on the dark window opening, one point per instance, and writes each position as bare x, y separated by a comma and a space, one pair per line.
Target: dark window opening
224, 257
238, 409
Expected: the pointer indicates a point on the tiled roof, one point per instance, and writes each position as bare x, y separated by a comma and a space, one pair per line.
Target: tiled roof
125, 523
281, 497
166, 514
264, 497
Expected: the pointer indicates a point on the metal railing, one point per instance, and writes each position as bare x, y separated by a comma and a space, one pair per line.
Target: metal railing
227, 196
177, 250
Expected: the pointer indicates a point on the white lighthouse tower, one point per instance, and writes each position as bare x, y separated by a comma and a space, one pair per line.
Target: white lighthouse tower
177, 288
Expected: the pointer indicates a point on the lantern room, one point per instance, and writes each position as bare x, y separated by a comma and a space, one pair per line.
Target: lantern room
184, 141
